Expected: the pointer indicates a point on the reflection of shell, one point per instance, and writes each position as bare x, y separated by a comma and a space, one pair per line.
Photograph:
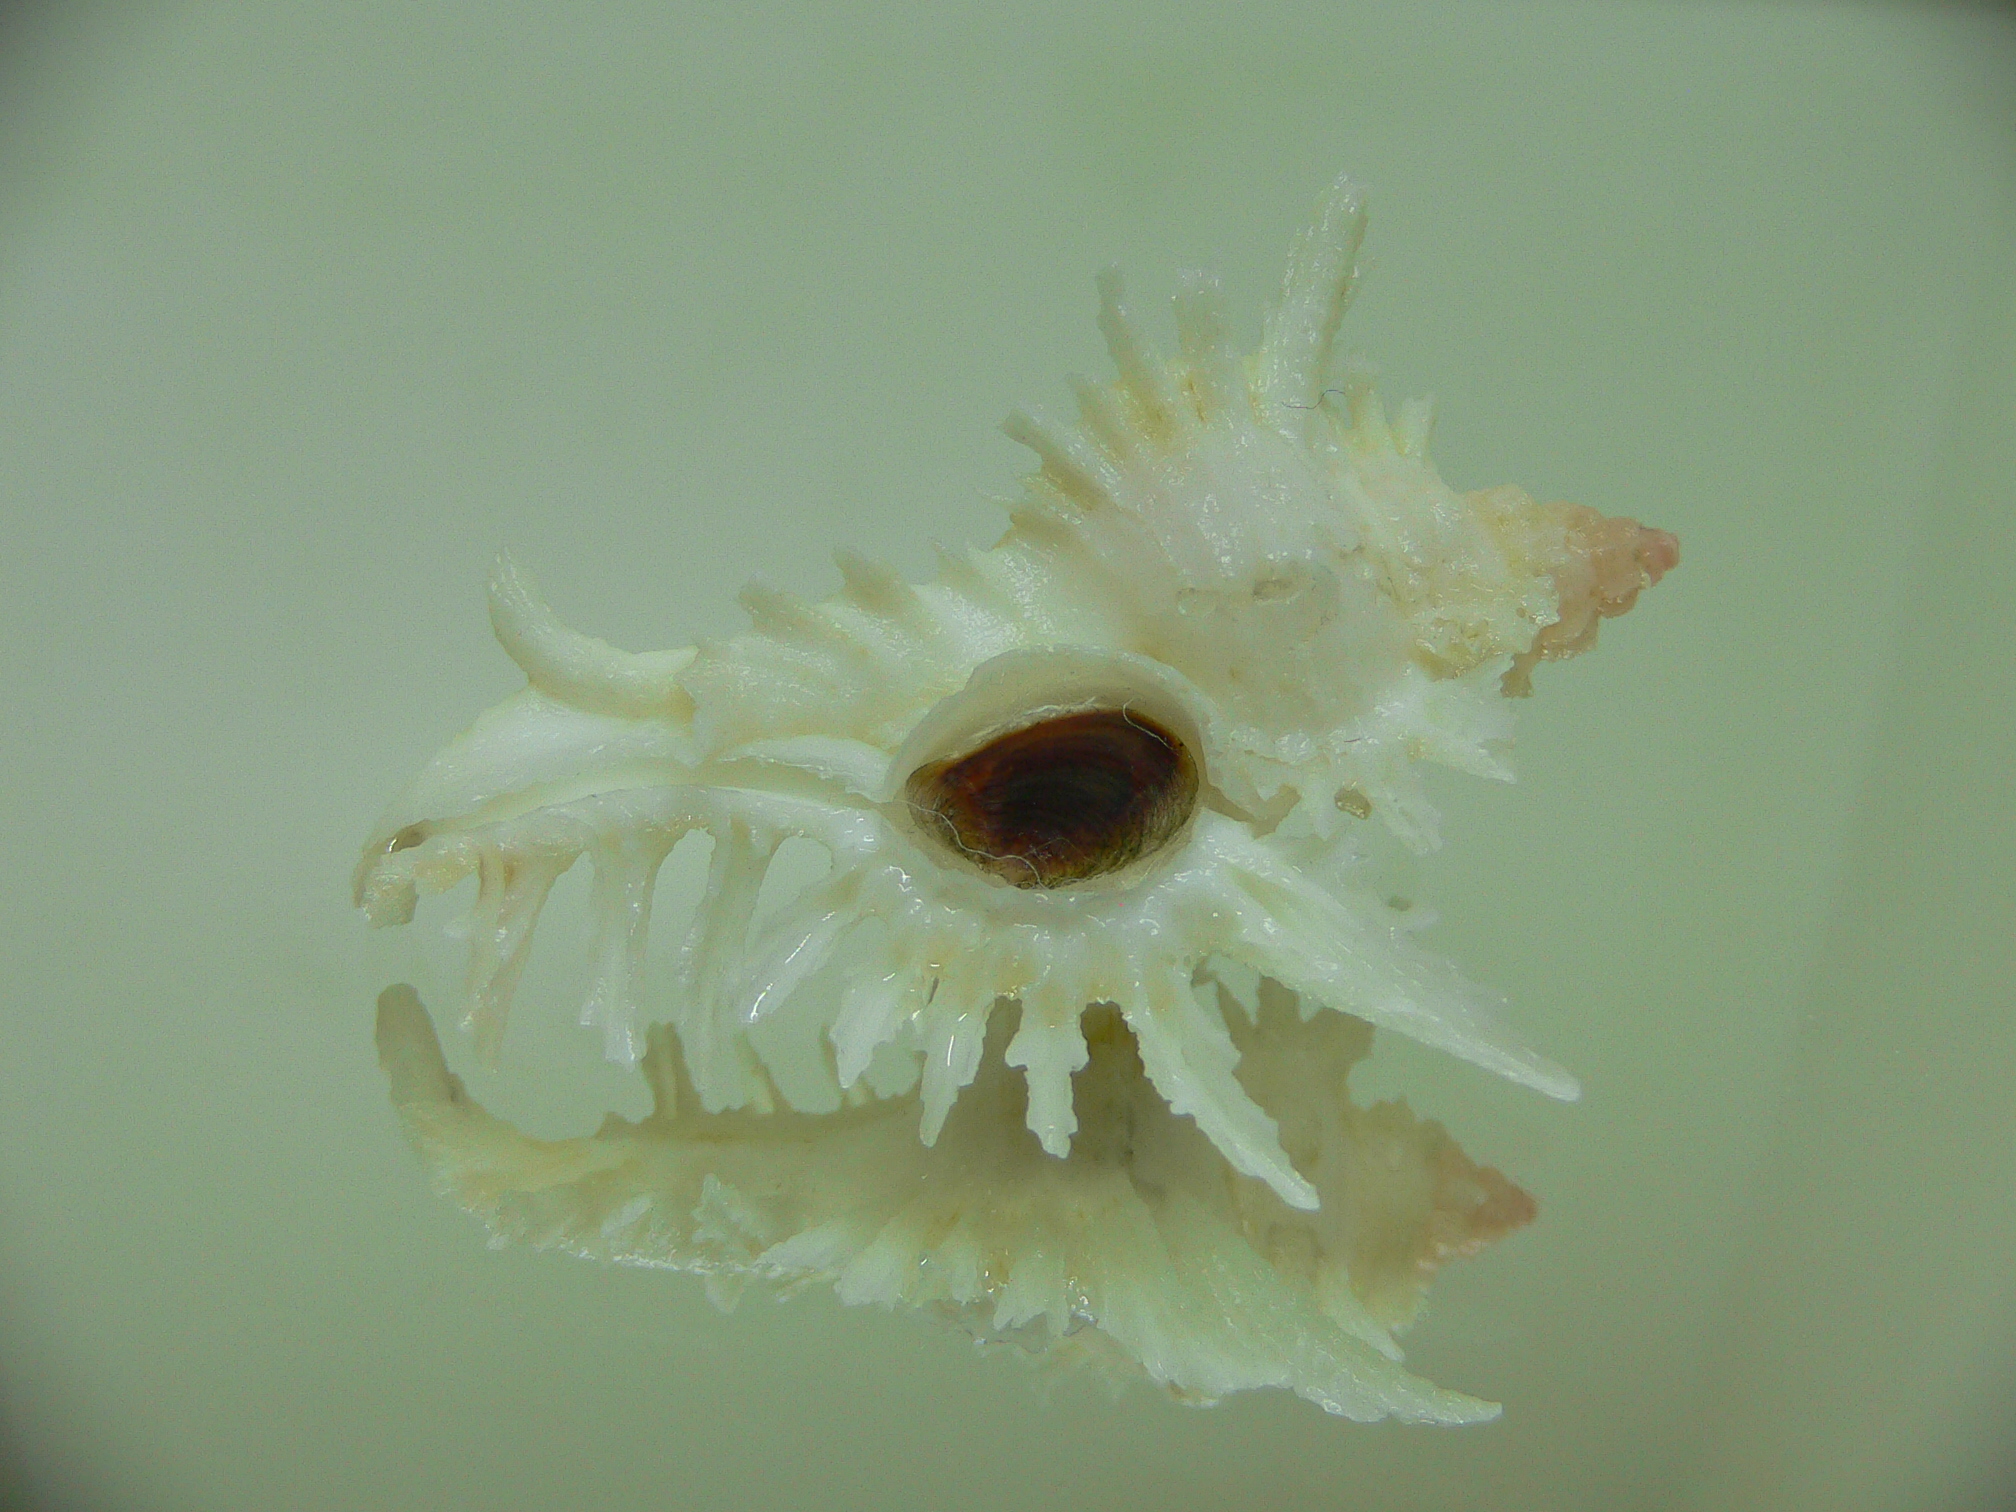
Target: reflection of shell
1124, 755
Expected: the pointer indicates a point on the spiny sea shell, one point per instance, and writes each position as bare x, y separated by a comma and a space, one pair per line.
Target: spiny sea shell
1095, 802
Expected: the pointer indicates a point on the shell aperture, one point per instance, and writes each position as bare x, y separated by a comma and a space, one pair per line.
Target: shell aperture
1064, 799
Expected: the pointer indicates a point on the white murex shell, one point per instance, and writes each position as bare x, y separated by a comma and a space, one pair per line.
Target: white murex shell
1098, 1110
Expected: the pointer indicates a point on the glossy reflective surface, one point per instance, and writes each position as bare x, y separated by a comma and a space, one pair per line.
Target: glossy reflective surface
305, 311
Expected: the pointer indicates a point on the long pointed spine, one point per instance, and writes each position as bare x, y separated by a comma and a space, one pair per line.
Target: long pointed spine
1301, 330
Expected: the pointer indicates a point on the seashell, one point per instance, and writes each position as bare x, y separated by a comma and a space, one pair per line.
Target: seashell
1067, 1018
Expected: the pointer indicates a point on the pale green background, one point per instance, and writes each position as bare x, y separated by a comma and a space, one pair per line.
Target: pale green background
305, 310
